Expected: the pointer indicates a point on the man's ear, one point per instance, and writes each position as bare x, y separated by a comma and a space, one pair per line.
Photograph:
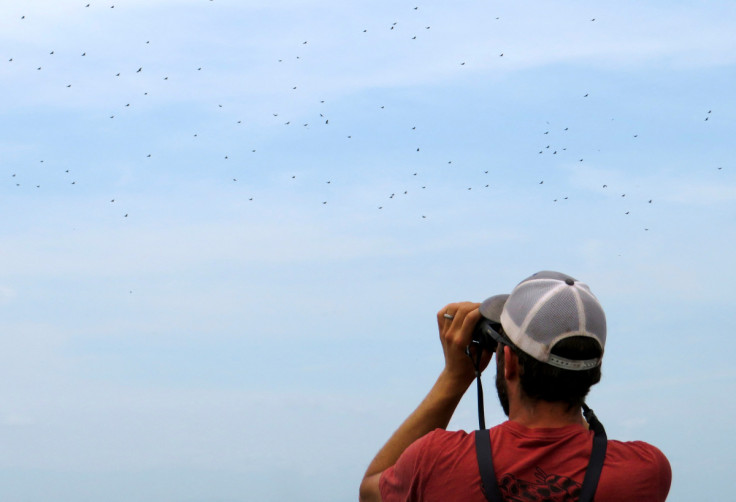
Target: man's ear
511, 363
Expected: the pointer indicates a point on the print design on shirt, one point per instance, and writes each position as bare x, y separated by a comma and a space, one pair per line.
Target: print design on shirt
547, 488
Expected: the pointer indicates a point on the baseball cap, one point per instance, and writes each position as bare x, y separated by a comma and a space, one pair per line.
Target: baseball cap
544, 309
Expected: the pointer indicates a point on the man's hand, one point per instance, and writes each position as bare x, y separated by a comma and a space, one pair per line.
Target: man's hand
456, 323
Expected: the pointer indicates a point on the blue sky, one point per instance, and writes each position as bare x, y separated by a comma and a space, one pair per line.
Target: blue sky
320, 182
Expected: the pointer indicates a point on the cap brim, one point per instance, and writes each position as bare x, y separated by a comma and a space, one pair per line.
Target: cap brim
492, 307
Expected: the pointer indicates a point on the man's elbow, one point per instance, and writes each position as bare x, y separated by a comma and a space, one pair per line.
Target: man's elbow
369, 491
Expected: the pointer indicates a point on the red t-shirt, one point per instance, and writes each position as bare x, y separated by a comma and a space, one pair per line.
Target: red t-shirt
531, 465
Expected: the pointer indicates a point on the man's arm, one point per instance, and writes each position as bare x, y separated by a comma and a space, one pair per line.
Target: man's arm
437, 408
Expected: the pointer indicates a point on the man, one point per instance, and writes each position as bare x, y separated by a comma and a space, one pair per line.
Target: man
550, 334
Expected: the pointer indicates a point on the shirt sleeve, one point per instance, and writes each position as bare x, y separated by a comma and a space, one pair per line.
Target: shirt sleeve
402, 481
664, 473
644, 470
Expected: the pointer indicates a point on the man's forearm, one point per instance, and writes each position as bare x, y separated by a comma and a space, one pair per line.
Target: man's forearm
456, 322
434, 412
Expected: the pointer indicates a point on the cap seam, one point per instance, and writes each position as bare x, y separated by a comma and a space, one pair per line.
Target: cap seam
582, 321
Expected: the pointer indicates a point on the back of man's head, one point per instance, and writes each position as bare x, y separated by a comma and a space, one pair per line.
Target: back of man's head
557, 328
549, 383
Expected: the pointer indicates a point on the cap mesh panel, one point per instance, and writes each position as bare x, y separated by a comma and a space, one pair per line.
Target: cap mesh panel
595, 318
525, 296
557, 316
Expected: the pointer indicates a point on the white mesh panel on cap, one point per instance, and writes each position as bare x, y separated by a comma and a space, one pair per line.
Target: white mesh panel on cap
595, 318
548, 307
520, 311
559, 314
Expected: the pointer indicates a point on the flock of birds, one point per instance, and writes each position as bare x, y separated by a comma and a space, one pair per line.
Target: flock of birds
547, 147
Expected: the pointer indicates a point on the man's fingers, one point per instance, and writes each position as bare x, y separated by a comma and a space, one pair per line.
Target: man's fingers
457, 320
445, 316
450, 312
472, 318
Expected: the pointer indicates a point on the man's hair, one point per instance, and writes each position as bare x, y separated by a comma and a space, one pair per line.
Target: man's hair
540, 381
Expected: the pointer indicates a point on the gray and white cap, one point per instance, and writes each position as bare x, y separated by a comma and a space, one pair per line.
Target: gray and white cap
544, 309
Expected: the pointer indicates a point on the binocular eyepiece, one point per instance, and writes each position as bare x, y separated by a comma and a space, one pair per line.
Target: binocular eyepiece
483, 335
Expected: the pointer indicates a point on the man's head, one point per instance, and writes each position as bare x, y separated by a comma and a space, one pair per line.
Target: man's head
556, 329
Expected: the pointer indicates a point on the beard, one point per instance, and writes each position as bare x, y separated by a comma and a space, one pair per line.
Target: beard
501, 387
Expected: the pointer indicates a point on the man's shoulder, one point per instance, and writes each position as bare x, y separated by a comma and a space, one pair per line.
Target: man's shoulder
647, 458
639, 466
441, 443
444, 439
634, 450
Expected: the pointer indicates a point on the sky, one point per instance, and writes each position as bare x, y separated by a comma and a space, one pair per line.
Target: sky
228, 226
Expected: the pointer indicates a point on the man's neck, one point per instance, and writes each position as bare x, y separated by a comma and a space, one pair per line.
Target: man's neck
540, 414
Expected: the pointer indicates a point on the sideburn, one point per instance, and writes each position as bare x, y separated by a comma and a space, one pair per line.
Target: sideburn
501, 388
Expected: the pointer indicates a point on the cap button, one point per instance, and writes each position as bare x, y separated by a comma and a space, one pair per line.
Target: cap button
569, 281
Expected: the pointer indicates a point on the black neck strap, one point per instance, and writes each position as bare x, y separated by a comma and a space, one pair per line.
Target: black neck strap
592, 473
479, 385
597, 456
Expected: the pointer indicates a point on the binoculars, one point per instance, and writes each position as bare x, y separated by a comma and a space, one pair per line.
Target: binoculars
486, 334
